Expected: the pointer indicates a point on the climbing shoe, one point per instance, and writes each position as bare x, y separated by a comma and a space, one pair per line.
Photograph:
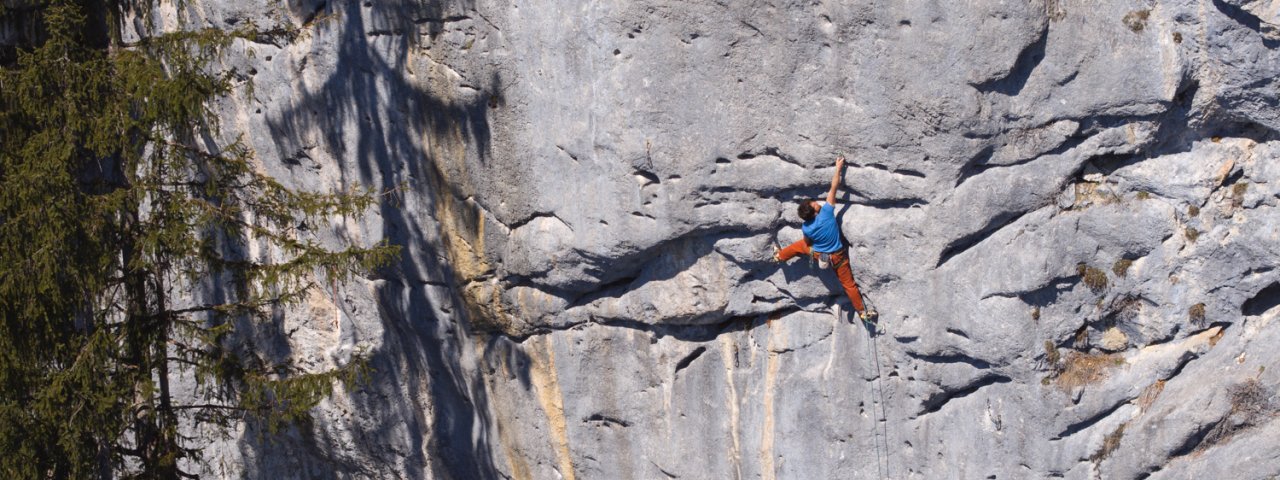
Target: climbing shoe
777, 253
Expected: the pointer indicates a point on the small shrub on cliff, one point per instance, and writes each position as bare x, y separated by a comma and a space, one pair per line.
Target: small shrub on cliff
1051, 354
1196, 313
1237, 194
1109, 444
1192, 234
1121, 267
1093, 278
1251, 406
1080, 369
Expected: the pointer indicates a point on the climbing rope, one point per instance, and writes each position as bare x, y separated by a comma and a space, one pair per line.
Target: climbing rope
884, 418
875, 432
872, 336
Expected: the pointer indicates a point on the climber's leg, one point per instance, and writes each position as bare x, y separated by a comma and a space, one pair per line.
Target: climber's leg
801, 247
840, 260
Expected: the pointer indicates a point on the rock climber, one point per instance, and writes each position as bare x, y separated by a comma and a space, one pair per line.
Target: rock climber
822, 242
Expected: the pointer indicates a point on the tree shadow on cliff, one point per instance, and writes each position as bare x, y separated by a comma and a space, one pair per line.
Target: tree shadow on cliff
422, 410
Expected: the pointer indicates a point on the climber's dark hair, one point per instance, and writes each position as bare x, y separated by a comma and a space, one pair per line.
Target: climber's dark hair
806, 210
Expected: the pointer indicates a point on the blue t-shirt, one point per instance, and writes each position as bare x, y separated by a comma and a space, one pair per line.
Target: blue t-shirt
823, 230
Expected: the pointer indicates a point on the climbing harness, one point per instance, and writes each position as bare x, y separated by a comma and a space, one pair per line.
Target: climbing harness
824, 260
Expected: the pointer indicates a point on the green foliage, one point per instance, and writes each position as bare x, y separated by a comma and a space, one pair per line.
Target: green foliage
107, 205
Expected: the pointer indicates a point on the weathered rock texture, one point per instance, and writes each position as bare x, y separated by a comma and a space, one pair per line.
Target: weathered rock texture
1066, 212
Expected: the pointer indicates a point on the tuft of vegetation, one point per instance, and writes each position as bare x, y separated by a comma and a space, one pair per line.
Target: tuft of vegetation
1121, 267
1250, 399
1193, 211
1251, 405
1136, 20
1150, 394
1196, 313
1051, 355
1144, 195
1035, 314
1054, 10
1109, 444
1093, 278
118, 204
1237, 194
1192, 234
1238, 190
1079, 369
1177, 37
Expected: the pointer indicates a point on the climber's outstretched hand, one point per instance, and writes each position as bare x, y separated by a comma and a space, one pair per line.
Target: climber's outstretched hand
835, 181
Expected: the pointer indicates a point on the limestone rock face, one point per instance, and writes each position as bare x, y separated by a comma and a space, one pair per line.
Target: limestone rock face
1065, 212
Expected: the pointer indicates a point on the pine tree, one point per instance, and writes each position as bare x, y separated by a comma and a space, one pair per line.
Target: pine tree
109, 209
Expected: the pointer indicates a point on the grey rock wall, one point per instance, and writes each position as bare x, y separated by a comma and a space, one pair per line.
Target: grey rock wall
1065, 211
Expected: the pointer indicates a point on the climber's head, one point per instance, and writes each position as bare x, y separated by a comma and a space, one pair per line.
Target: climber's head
808, 209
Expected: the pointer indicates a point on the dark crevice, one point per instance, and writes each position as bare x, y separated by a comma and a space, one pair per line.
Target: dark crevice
952, 358
606, 420
906, 172
1147, 474
1249, 20
692, 333
966, 242
1091, 421
688, 359
1194, 440
568, 153
1188, 356
450, 19
315, 12
525, 221
891, 203
936, 401
1265, 300
649, 177
1030, 58
1042, 296
976, 164
770, 151
614, 289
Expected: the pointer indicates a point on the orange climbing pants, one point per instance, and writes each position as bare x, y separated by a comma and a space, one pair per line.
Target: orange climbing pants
839, 263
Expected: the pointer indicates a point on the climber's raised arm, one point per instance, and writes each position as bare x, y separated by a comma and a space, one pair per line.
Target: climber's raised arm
835, 182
